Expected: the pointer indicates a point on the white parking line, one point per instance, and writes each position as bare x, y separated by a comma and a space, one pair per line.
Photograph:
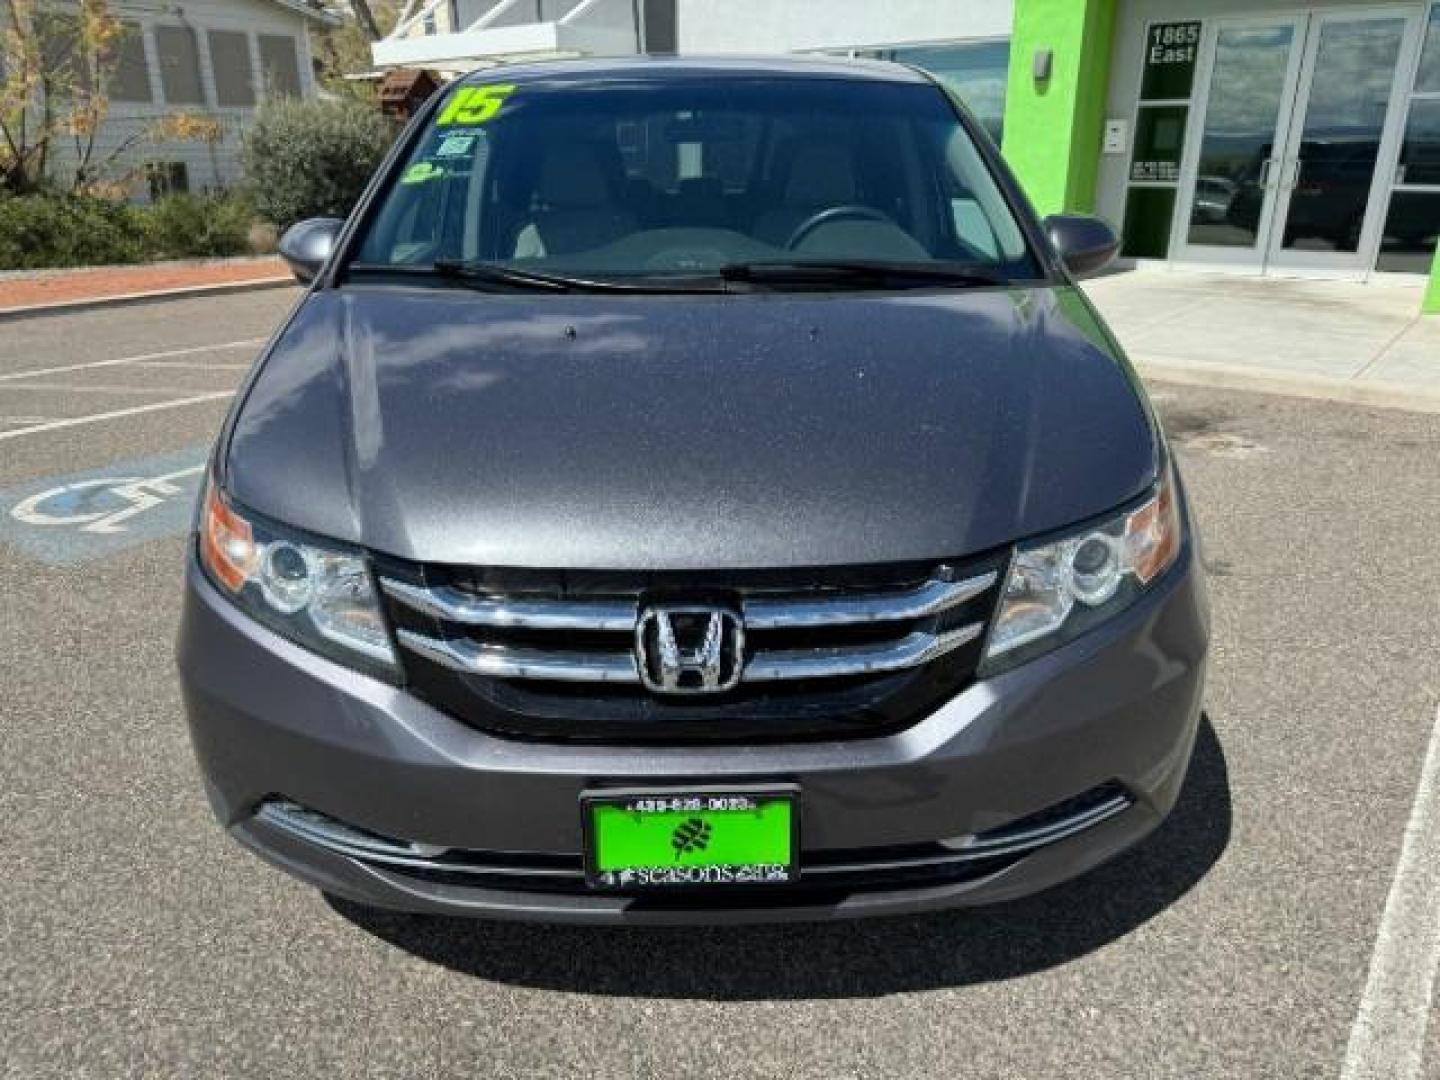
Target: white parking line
97, 388
1388, 1038
115, 414
11, 421
181, 365
13, 375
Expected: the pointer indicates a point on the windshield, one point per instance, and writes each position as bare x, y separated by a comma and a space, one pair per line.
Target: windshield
650, 179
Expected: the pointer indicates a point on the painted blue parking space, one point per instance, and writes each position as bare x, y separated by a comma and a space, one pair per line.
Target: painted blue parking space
82, 516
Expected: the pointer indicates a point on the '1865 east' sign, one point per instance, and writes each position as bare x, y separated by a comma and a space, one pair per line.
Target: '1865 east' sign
1171, 50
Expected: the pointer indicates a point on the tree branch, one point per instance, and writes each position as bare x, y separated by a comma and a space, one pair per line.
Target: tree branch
366, 18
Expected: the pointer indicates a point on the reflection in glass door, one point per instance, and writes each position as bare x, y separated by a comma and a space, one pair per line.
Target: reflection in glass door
1329, 190
1251, 85
1290, 162
1412, 224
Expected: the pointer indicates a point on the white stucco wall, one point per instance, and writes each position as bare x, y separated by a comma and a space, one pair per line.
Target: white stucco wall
778, 26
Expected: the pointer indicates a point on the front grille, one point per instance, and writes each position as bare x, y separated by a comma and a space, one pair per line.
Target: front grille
820, 654
825, 873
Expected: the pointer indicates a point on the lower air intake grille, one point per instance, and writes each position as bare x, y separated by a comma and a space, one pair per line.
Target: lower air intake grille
828, 873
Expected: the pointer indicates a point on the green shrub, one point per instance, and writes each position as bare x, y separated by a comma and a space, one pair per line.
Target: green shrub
199, 226
39, 231
308, 159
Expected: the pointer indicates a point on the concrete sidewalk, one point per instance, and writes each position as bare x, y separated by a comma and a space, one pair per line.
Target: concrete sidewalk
1365, 343
46, 290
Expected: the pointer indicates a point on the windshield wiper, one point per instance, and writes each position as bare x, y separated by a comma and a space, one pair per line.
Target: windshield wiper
859, 272
496, 274
488, 273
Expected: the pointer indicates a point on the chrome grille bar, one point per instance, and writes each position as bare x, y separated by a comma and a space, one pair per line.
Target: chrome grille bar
911, 651
343, 840
503, 662
761, 612
931, 598
472, 645
1004, 841
452, 605
977, 848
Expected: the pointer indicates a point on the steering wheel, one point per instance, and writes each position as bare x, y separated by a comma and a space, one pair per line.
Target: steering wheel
833, 214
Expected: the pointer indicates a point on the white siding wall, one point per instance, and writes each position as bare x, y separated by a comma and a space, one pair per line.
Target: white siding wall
208, 166
779, 26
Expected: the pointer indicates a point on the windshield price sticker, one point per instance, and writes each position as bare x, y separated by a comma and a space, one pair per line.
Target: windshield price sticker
454, 146
422, 171
474, 104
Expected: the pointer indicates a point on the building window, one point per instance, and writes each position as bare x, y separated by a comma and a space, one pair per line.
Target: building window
977, 71
1420, 152
1166, 82
1149, 212
131, 78
179, 65
1428, 81
60, 53
167, 178
1411, 229
230, 61
280, 65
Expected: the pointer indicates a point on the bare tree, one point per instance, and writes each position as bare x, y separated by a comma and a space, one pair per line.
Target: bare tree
55, 84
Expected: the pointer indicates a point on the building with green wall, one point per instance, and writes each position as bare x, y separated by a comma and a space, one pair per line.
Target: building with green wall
1240, 135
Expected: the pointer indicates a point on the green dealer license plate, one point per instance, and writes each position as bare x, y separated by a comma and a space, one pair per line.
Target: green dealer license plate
675, 840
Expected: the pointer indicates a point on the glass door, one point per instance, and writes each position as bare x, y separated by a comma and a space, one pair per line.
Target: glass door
1330, 191
1228, 206
1412, 224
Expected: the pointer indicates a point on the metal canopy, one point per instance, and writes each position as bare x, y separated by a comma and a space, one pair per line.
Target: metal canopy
499, 33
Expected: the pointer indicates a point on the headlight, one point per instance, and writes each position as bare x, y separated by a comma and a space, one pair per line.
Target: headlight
321, 597
1058, 589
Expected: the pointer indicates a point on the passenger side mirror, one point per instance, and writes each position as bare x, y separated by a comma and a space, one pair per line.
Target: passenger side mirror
306, 246
1086, 244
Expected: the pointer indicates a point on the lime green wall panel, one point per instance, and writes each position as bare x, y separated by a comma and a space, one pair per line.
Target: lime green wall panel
1053, 127
1432, 294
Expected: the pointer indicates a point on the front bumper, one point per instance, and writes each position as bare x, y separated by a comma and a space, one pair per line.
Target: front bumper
271, 721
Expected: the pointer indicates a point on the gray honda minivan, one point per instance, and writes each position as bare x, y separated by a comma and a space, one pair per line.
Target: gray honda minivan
692, 490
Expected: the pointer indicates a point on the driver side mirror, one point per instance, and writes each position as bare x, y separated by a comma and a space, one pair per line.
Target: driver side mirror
1086, 244
306, 246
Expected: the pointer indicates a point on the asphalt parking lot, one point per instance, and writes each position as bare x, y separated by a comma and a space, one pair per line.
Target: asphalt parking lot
1285, 922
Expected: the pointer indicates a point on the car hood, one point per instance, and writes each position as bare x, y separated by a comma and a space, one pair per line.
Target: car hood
685, 432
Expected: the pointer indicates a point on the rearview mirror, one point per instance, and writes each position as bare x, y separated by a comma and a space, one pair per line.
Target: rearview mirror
1086, 244
306, 246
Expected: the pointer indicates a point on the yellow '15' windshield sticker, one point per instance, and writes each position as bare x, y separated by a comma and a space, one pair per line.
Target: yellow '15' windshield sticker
474, 104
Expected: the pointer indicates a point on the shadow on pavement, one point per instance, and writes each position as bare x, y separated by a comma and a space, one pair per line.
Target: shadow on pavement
853, 958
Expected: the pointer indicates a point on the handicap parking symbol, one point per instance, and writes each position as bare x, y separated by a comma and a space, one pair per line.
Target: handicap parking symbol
68, 519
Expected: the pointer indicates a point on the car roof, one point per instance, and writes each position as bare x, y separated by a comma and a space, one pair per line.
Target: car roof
663, 68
